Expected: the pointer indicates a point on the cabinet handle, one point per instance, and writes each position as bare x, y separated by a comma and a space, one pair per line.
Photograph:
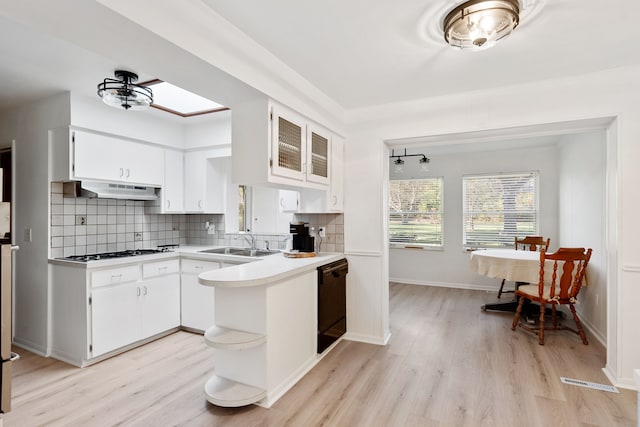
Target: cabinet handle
128, 173
168, 204
144, 290
199, 204
121, 172
160, 269
138, 290
335, 200
116, 276
198, 267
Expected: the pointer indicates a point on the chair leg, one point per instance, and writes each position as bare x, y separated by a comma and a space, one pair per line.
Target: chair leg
579, 325
541, 330
501, 287
516, 317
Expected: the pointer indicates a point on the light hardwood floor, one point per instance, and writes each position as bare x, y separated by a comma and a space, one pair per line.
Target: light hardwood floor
447, 364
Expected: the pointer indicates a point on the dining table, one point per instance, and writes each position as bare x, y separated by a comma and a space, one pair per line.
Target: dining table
521, 267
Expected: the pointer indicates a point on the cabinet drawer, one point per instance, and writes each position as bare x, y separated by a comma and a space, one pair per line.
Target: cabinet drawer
114, 276
160, 268
192, 266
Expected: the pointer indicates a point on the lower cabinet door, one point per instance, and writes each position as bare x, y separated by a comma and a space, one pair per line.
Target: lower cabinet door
115, 317
161, 304
197, 304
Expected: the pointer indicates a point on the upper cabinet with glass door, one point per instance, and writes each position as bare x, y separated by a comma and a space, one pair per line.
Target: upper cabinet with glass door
300, 149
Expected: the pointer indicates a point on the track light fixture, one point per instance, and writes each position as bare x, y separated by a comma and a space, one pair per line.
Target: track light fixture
399, 162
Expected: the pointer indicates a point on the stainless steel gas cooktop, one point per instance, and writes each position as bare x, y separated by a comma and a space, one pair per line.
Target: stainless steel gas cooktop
119, 254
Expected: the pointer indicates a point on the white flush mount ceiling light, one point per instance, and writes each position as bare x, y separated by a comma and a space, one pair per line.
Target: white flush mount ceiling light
122, 92
480, 24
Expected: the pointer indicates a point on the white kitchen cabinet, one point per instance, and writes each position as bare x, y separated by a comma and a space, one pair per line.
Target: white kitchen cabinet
126, 309
336, 190
288, 144
300, 148
194, 177
297, 152
96, 311
115, 319
160, 289
205, 181
319, 201
172, 194
266, 209
319, 147
288, 200
197, 301
81, 155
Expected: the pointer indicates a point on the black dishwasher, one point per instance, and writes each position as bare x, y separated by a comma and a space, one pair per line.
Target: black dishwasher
332, 303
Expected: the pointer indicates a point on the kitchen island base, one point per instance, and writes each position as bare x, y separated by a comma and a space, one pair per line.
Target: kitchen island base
284, 314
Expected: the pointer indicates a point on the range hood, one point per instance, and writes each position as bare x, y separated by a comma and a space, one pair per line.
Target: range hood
106, 190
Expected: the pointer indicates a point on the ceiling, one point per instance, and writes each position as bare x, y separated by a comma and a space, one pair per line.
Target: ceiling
359, 53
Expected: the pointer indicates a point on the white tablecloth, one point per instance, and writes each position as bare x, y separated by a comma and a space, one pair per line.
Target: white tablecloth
515, 266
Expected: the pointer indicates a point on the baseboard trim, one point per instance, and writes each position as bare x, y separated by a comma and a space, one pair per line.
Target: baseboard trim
32, 347
626, 383
467, 286
367, 339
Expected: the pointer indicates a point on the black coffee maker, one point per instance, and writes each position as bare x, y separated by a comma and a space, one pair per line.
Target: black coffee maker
301, 240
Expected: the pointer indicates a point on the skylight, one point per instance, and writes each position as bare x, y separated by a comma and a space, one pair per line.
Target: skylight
173, 99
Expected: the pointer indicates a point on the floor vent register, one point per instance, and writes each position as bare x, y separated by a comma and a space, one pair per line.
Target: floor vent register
588, 384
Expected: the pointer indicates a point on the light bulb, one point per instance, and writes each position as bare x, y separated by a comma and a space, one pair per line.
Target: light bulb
398, 165
424, 164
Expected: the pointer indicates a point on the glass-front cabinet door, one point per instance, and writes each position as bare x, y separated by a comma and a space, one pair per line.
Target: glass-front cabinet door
289, 144
318, 152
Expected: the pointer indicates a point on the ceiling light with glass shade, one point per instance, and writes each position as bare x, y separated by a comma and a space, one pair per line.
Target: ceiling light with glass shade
480, 24
123, 92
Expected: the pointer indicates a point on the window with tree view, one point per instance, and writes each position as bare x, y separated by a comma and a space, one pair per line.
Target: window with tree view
497, 208
415, 212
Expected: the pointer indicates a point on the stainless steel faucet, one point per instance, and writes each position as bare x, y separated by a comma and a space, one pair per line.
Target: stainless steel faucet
249, 238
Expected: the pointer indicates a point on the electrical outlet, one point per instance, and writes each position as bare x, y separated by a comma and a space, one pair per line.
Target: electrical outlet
321, 232
211, 229
137, 237
81, 220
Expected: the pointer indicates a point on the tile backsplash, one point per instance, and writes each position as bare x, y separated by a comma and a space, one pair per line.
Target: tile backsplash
82, 226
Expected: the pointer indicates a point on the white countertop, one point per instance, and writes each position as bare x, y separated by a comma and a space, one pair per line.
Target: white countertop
250, 271
269, 269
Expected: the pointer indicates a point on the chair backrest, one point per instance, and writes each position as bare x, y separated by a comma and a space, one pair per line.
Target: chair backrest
532, 243
573, 263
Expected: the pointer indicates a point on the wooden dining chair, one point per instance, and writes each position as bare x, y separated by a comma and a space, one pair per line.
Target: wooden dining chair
563, 289
530, 243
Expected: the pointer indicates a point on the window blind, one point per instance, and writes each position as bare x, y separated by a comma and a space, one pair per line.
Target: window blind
497, 208
415, 212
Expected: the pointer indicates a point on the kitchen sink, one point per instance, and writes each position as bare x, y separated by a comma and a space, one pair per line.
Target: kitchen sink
240, 251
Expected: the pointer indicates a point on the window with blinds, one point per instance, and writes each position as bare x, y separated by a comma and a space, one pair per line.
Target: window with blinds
415, 212
497, 208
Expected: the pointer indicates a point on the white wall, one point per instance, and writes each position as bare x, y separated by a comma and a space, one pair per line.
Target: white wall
447, 267
582, 184
216, 131
599, 100
92, 114
29, 126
